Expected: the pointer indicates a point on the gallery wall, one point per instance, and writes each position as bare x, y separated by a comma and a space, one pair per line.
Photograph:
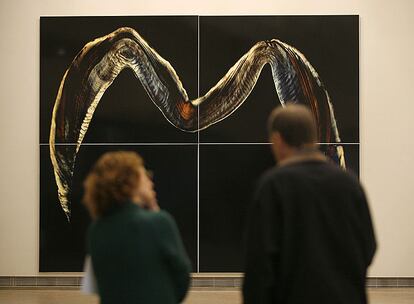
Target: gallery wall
385, 113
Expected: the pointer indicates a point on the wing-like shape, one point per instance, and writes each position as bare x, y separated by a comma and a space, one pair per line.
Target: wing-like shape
97, 65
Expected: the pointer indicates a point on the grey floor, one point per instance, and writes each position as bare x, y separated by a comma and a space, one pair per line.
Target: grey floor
196, 296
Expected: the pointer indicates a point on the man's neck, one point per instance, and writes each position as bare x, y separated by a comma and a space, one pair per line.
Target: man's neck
306, 153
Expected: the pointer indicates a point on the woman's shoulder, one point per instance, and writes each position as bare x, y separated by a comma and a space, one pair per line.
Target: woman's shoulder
161, 222
161, 217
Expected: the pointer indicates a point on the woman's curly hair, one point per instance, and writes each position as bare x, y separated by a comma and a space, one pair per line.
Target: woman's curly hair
112, 181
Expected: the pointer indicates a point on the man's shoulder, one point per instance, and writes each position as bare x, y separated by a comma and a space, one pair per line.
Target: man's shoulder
268, 176
306, 169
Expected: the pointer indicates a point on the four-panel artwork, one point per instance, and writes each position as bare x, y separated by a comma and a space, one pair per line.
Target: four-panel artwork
191, 95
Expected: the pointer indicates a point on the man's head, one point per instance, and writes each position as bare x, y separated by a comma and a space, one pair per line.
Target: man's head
291, 129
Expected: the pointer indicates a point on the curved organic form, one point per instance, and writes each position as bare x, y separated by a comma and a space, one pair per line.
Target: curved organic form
100, 61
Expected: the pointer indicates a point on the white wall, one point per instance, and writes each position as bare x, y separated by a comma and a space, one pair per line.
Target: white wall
386, 79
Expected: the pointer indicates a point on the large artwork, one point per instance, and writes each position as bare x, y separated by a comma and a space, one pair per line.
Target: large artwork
191, 94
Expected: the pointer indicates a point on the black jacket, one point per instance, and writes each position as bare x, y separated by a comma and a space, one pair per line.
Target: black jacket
310, 237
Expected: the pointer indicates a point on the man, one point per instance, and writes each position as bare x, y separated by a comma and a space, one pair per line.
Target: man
310, 237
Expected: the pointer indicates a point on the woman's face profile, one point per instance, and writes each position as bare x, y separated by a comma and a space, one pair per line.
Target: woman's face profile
145, 190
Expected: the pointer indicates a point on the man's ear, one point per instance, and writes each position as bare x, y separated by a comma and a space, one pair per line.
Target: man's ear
276, 141
276, 138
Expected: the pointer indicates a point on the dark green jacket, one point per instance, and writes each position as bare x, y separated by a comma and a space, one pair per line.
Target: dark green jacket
138, 257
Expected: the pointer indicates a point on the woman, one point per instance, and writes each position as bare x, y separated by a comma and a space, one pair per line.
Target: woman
137, 254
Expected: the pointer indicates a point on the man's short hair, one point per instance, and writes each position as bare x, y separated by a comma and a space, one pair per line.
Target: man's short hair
295, 124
